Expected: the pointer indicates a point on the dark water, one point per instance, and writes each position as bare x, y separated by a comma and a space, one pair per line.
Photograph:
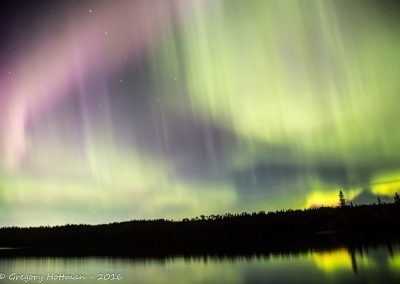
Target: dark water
372, 265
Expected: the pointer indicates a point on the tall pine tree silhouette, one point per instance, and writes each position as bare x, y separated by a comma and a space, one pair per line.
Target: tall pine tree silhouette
342, 200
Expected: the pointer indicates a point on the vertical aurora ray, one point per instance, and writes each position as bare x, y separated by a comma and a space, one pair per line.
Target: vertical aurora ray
145, 109
309, 87
331, 86
51, 68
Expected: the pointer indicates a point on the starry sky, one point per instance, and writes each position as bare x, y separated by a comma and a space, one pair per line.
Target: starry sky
117, 110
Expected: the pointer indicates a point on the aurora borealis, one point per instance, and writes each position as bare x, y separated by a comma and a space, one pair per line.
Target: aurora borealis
117, 110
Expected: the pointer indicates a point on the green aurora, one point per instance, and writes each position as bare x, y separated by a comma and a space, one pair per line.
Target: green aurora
316, 80
226, 106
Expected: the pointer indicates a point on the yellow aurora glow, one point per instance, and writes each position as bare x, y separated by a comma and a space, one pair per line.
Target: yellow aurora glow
148, 109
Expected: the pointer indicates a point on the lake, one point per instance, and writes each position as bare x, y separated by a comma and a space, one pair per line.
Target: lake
372, 265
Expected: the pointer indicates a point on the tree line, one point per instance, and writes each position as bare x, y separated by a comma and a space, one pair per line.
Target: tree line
227, 233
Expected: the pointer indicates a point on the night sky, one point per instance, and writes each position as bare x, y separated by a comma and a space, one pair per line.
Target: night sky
118, 110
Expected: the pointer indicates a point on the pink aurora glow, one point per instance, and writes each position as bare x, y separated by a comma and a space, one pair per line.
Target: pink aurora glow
53, 64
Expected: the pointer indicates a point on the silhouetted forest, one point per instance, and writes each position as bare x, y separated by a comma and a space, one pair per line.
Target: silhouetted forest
243, 233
